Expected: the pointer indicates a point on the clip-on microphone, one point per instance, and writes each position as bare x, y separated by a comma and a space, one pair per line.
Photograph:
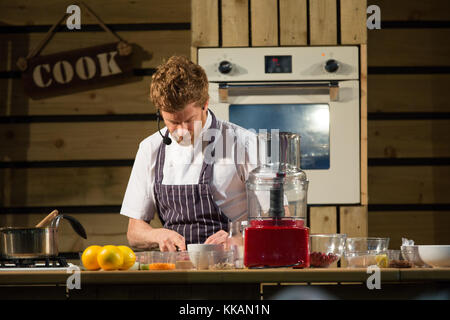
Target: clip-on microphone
166, 140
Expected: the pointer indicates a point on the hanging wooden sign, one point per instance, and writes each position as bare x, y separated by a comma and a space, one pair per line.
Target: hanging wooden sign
70, 71
66, 71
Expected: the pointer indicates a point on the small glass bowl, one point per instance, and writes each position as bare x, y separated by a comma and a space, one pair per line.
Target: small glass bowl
363, 259
183, 261
411, 253
326, 249
221, 260
157, 260
396, 260
362, 244
361, 252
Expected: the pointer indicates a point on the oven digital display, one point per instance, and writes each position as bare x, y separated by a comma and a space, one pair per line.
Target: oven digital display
278, 64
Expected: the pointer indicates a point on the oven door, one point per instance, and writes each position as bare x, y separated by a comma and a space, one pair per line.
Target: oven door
326, 115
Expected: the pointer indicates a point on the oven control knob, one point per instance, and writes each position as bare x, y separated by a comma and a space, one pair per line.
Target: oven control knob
225, 67
331, 65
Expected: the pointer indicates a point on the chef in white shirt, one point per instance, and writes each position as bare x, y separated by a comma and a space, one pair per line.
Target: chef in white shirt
192, 172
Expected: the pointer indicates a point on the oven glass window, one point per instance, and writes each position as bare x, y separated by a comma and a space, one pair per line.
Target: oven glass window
310, 121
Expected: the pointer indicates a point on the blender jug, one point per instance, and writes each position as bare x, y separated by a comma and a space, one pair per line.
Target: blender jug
277, 235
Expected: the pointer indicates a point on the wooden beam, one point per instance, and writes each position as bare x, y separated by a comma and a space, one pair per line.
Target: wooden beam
409, 184
264, 21
363, 124
408, 92
73, 140
235, 31
413, 10
409, 47
205, 23
353, 221
293, 23
41, 187
47, 12
323, 22
353, 21
323, 220
128, 98
409, 138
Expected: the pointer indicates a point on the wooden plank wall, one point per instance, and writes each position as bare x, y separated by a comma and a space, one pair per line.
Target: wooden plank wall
75, 152
409, 150
243, 23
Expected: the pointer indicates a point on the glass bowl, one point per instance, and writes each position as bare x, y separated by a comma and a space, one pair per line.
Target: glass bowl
411, 253
183, 261
156, 260
326, 249
363, 259
221, 260
396, 260
363, 244
361, 252
198, 254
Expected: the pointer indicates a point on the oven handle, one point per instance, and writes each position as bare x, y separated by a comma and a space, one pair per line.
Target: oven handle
226, 89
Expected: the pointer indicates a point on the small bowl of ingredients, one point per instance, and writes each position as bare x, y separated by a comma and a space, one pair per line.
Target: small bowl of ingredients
157, 260
396, 260
325, 249
411, 254
221, 260
361, 252
363, 259
183, 261
199, 254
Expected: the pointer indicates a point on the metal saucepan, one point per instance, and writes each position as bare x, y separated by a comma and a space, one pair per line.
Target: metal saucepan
27, 243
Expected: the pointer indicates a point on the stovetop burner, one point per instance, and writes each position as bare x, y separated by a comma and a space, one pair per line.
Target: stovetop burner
47, 262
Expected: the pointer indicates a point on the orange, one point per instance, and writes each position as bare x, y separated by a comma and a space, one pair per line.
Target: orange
129, 258
110, 258
89, 257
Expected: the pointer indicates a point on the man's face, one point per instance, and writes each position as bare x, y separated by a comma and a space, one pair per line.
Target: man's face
184, 124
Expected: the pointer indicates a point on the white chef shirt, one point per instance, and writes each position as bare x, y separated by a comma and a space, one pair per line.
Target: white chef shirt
228, 181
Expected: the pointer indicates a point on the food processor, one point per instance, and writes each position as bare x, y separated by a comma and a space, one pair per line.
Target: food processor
277, 235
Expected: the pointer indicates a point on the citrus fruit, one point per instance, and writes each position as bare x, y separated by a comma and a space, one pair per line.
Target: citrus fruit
89, 257
129, 258
382, 260
110, 258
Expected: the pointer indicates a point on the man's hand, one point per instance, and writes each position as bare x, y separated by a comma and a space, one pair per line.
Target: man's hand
219, 237
168, 240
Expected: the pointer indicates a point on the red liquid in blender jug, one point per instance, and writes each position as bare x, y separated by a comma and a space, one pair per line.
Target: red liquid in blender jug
276, 243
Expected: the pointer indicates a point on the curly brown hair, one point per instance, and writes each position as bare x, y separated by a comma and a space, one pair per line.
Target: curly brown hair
178, 82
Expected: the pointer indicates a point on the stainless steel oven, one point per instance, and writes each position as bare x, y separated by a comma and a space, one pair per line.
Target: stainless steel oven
312, 91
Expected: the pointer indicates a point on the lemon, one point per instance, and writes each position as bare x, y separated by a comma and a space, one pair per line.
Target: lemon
110, 258
129, 258
89, 257
382, 260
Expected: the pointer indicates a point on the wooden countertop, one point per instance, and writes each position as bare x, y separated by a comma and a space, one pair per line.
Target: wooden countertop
276, 275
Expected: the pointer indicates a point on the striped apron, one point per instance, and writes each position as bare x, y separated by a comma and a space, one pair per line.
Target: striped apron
189, 209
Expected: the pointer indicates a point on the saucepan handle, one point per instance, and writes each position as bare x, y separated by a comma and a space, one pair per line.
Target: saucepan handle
76, 225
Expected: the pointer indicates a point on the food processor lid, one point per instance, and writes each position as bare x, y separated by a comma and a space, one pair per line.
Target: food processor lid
271, 173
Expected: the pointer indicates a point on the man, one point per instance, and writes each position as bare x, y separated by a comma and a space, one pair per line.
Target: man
182, 172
